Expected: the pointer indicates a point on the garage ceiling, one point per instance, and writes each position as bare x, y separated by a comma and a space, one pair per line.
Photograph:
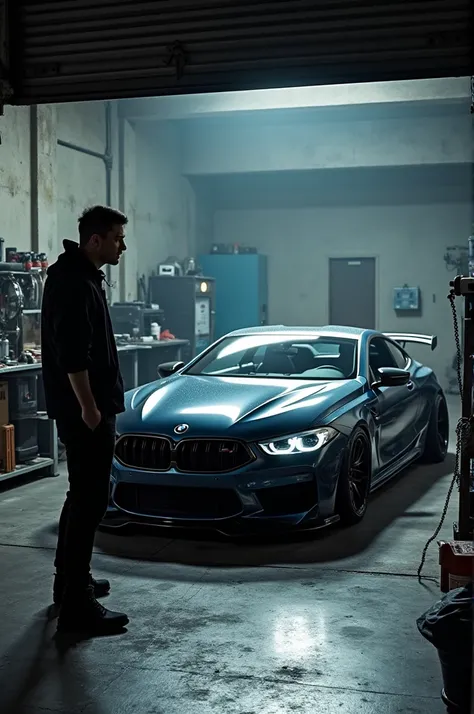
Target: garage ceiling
72, 50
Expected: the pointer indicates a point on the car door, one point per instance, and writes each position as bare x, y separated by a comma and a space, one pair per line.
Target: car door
395, 409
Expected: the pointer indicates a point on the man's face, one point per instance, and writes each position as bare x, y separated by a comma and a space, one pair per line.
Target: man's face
112, 246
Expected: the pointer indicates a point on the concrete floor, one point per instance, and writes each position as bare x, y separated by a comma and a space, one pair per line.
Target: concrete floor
316, 625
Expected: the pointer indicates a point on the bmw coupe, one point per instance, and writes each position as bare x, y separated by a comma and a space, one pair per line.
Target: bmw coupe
276, 428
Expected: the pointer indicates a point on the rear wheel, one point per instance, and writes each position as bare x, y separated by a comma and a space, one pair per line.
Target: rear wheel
354, 481
437, 435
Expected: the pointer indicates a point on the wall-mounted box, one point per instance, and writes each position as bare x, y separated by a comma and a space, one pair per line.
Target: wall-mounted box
406, 299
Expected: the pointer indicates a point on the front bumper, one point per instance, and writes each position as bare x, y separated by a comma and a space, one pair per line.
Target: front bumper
269, 494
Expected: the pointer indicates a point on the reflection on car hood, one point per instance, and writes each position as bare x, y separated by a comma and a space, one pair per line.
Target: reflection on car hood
247, 408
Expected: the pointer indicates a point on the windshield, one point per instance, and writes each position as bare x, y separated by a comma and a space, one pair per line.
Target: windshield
288, 356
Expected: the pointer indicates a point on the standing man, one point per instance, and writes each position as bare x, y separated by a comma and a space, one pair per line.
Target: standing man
84, 393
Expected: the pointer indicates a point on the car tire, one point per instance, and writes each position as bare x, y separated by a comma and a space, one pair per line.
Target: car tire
355, 478
437, 435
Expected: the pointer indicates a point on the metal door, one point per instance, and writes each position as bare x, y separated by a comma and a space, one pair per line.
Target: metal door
352, 292
74, 50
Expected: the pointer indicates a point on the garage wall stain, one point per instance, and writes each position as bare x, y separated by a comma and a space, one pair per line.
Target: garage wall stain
47, 131
70, 201
12, 185
46, 185
67, 182
15, 218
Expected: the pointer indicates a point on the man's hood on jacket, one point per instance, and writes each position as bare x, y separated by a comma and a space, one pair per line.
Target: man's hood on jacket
73, 261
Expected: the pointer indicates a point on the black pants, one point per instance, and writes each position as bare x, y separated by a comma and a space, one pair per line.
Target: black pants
89, 460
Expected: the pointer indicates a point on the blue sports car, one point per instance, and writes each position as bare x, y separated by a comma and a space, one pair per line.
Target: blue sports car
275, 428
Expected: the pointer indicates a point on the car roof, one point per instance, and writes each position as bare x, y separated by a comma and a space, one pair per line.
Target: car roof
339, 330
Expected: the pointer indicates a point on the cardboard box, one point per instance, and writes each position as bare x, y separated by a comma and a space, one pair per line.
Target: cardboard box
5, 438
7, 448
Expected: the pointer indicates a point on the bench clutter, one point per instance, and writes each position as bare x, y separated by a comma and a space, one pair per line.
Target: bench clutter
28, 439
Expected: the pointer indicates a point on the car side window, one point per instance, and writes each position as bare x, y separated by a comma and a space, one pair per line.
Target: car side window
399, 356
380, 355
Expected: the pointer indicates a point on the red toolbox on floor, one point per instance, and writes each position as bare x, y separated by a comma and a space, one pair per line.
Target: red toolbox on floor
457, 564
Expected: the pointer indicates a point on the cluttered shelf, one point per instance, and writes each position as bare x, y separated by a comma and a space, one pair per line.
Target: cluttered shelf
14, 368
177, 300
28, 439
139, 361
130, 346
41, 463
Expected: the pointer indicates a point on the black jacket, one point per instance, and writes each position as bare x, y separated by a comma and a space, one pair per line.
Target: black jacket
77, 335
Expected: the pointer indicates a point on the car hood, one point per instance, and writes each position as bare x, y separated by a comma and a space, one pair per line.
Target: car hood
246, 408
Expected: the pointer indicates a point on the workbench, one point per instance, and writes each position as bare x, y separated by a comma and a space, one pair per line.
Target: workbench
145, 358
139, 360
47, 463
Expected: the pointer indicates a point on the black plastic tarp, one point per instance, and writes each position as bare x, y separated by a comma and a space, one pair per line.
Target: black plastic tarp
448, 624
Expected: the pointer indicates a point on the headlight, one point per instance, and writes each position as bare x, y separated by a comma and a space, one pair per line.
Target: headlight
299, 443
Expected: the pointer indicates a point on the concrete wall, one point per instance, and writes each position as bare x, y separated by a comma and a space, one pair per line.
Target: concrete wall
394, 183
389, 94
311, 140
187, 183
44, 187
165, 200
408, 242
128, 203
15, 178
80, 178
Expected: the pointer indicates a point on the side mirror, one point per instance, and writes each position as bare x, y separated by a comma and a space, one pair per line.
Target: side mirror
168, 368
392, 377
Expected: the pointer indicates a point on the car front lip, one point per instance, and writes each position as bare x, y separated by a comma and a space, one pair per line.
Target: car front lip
266, 472
117, 519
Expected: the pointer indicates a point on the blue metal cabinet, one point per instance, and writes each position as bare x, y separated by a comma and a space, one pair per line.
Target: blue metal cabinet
241, 290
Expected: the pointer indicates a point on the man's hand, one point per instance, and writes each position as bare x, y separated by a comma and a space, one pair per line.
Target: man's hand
80, 384
91, 417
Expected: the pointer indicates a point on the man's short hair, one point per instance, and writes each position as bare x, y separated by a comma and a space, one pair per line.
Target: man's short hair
99, 220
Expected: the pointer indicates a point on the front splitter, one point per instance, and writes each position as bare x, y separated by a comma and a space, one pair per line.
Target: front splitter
231, 528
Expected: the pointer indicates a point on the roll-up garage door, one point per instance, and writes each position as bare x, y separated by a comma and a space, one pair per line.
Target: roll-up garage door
70, 50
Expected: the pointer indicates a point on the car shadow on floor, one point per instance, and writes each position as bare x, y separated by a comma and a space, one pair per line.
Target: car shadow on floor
399, 499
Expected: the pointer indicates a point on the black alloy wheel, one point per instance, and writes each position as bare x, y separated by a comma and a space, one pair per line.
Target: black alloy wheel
359, 472
354, 481
437, 434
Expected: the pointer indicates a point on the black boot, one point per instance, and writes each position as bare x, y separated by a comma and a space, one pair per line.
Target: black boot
101, 588
81, 612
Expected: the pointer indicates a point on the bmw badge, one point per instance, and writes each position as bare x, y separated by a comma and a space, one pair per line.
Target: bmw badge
181, 429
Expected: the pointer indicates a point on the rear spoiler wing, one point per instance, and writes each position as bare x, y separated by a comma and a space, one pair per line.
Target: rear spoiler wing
404, 338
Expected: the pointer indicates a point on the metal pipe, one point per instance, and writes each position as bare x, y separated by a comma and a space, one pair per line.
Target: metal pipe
81, 149
121, 197
107, 158
108, 161
34, 178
